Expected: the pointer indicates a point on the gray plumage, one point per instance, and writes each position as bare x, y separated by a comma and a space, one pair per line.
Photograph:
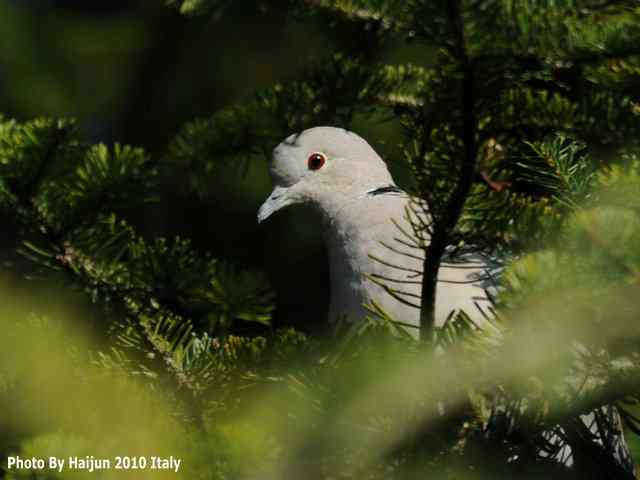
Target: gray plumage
373, 249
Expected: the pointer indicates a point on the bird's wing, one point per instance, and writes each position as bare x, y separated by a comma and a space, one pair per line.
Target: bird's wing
585, 444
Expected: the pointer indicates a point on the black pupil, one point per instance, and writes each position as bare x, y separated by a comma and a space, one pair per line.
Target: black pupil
316, 161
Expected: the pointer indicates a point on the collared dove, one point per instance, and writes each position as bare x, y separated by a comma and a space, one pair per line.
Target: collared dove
375, 255
373, 252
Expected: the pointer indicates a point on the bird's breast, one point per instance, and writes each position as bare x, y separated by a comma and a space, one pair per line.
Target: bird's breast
364, 262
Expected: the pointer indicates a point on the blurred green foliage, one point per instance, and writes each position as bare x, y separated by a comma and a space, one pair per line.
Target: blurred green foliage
286, 405
515, 121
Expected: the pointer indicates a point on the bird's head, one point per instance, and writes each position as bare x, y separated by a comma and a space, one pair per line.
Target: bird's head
323, 167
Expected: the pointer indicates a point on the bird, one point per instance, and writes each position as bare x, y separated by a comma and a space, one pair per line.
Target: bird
369, 230
375, 240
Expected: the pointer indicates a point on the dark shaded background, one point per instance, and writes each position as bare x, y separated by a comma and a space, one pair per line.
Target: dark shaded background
136, 71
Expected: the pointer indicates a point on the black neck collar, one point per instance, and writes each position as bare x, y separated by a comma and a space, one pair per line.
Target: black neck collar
383, 189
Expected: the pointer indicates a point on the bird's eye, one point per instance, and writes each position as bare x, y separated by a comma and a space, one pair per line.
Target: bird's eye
316, 161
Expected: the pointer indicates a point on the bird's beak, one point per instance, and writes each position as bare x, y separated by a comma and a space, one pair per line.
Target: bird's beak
279, 198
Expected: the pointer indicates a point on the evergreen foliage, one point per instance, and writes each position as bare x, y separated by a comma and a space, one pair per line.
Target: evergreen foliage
522, 138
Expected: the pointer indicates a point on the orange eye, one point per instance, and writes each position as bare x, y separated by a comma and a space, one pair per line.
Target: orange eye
316, 161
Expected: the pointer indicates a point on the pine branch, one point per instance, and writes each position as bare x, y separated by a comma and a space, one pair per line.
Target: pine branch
443, 226
384, 16
159, 288
215, 8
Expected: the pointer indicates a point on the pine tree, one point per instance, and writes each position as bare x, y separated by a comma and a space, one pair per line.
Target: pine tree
521, 139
